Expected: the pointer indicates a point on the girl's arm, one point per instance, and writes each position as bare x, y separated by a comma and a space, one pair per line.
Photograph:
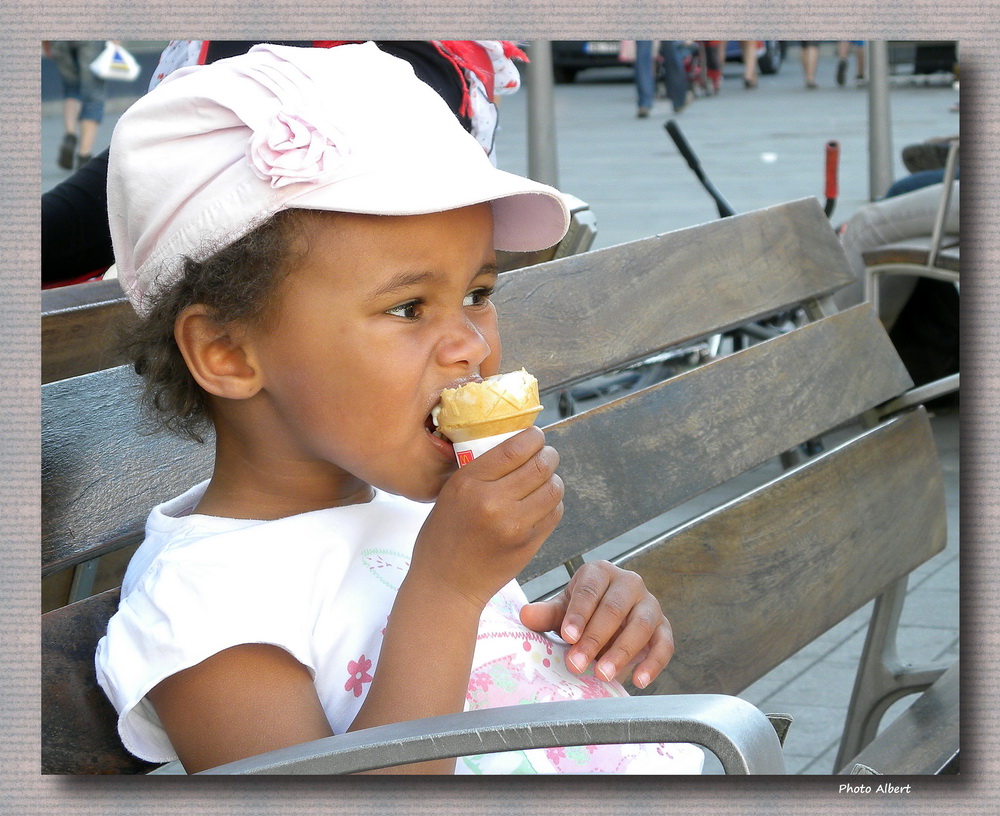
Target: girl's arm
238, 703
490, 519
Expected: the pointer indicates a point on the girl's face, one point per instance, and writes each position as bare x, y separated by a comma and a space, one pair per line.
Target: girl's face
379, 315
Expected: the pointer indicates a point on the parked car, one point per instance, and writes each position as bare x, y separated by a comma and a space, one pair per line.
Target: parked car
569, 57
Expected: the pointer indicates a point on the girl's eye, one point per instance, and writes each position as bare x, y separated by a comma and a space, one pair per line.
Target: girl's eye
478, 297
408, 311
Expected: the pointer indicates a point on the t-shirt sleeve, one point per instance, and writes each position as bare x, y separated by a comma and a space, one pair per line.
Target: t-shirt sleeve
161, 628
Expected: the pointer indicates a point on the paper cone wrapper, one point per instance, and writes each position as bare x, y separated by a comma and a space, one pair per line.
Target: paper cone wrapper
471, 449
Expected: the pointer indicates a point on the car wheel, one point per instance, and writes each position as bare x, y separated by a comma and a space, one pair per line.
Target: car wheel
563, 74
770, 61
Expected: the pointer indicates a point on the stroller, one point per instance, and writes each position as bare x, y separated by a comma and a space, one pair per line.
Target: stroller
694, 61
696, 69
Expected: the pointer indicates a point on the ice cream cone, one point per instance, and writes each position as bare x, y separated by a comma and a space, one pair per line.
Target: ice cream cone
491, 427
503, 404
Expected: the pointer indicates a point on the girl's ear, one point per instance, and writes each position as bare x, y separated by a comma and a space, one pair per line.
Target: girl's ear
218, 356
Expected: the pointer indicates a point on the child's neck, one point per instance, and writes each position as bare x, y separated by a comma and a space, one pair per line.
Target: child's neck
230, 499
247, 488
255, 477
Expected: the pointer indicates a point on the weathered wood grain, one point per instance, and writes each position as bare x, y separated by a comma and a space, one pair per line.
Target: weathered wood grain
916, 251
102, 470
637, 457
749, 584
578, 316
81, 328
79, 729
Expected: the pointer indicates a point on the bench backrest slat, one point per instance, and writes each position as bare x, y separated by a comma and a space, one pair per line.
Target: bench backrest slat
80, 328
569, 319
637, 457
101, 467
827, 536
79, 734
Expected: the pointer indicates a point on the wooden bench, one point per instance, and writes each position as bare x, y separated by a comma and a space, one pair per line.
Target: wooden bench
79, 328
783, 558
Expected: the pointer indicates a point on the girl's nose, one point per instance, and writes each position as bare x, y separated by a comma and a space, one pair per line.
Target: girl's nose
464, 343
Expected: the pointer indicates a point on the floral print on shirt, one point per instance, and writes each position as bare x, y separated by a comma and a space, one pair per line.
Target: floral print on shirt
358, 671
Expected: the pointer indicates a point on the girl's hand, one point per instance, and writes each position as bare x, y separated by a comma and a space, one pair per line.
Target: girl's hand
490, 518
608, 615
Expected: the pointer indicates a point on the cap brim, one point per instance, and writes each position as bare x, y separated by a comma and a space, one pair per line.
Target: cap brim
527, 216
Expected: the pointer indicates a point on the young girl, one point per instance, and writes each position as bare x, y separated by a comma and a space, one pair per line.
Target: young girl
313, 267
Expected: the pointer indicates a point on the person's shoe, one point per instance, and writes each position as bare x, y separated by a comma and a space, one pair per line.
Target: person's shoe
860, 82
66, 151
81, 160
642, 113
688, 99
841, 72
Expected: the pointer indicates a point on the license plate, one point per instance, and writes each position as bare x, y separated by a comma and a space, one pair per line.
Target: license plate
601, 47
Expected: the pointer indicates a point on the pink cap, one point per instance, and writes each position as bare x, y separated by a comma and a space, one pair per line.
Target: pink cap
214, 151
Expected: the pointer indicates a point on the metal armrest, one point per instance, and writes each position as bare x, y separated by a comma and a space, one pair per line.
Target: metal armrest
734, 730
917, 396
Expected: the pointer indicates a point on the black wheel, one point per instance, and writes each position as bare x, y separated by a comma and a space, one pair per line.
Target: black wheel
567, 405
563, 74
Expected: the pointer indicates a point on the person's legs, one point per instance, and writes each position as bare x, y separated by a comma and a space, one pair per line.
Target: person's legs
677, 84
67, 149
71, 113
843, 49
914, 181
88, 132
810, 57
749, 63
713, 68
64, 55
92, 98
884, 222
644, 76
859, 56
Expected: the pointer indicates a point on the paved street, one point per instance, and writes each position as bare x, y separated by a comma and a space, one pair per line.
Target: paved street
760, 147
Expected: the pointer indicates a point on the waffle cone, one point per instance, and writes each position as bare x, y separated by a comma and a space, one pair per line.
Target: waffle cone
497, 405
491, 427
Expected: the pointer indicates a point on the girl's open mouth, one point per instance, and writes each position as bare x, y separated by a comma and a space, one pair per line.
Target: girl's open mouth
443, 445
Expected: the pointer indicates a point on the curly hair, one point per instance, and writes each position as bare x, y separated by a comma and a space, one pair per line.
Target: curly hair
237, 283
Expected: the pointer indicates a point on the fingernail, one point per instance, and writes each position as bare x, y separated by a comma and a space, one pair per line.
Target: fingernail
571, 633
607, 669
642, 679
578, 661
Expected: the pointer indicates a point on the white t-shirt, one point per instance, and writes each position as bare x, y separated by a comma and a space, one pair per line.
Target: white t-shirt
321, 585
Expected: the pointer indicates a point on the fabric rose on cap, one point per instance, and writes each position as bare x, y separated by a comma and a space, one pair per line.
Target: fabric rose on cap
290, 150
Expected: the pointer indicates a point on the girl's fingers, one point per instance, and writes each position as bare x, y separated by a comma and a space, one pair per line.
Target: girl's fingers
609, 617
544, 616
661, 649
586, 592
636, 634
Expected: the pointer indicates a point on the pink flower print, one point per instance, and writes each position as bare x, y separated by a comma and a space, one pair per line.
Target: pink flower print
359, 675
